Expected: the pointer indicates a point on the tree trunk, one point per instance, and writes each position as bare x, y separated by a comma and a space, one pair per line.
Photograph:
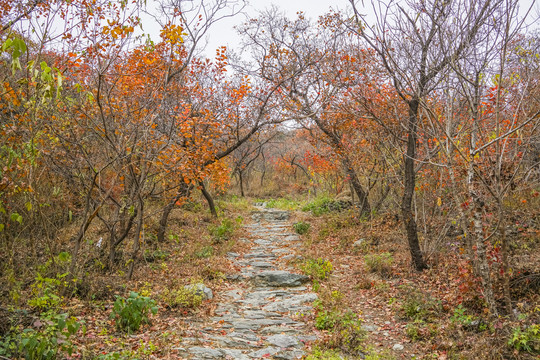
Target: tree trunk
408, 192
482, 264
137, 243
183, 191
363, 202
209, 199
505, 267
241, 181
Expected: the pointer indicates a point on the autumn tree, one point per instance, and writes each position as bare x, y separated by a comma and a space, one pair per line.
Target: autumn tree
436, 34
313, 69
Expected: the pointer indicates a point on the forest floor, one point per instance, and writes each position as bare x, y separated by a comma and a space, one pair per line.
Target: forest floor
261, 282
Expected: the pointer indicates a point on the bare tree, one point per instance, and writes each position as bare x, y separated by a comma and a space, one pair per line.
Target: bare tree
409, 38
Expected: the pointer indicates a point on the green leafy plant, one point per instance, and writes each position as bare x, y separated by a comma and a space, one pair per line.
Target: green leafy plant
155, 255
205, 252
49, 283
224, 231
282, 204
132, 312
379, 263
318, 269
49, 338
467, 322
301, 227
527, 339
320, 354
182, 297
414, 331
144, 350
324, 205
344, 326
419, 306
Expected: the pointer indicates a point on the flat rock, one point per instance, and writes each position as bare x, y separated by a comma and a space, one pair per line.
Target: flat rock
281, 278
264, 353
283, 341
205, 353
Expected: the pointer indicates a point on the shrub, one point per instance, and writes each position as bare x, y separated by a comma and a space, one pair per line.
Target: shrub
182, 297
419, 306
345, 327
325, 205
319, 354
348, 333
155, 255
282, 204
379, 263
132, 312
467, 322
50, 337
224, 231
413, 330
301, 227
526, 340
318, 269
205, 252
50, 281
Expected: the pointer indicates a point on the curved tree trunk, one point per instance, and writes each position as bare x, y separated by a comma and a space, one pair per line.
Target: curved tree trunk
363, 202
183, 191
209, 199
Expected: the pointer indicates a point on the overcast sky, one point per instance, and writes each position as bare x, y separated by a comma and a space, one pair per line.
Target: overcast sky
223, 33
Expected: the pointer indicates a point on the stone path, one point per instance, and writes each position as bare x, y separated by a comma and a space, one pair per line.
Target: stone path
260, 315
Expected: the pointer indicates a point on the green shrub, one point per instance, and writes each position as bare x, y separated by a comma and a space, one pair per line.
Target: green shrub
326, 319
379, 263
50, 281
419, 306
319, 354
318, 269
155, 255
224, 231
466, 321
50, 337
143, 351
526, 340
45, 293
282, 204
348, 333
414, 331
325, 205
205, 252
345, 328
182, 297
132, 312
301, 227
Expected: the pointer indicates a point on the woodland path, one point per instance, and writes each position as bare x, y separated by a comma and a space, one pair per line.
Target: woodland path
260, 315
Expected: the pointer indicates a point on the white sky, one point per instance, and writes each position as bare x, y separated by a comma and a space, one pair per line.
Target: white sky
223, 33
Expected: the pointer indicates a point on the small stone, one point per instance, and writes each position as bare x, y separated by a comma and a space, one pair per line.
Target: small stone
359, 243
370, 328
398, 347
200, 290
